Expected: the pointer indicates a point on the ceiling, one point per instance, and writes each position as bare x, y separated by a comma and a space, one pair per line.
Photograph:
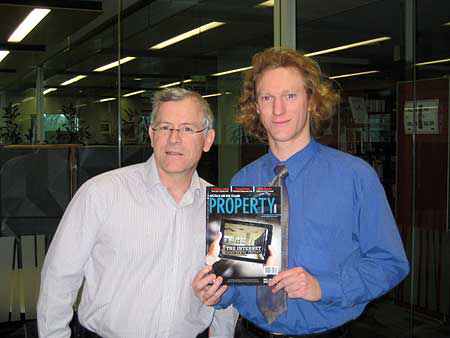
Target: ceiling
76, 40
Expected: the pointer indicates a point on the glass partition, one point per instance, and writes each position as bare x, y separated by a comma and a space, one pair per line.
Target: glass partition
49, 122
221, 38
392, 72
424, 136
60, 93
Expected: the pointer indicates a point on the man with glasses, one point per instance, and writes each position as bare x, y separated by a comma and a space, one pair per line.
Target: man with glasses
136, 236
344, 248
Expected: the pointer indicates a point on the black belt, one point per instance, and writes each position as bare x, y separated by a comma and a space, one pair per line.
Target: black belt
338, 332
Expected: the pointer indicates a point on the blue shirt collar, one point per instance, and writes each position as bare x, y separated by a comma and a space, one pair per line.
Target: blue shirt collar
297, 162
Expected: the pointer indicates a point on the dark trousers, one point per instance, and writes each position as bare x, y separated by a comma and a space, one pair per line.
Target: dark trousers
246, 329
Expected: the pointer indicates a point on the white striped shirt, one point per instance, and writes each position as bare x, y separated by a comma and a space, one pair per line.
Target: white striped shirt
138, 251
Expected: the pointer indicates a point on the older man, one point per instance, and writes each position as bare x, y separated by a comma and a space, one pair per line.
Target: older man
344, 249
136, 237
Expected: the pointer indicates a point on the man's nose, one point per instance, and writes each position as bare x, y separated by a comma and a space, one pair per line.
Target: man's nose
278, 106
174, 136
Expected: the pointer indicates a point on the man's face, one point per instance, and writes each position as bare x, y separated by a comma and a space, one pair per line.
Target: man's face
282, 104
178, 153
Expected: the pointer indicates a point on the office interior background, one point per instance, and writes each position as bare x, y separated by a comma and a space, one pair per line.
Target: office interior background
75, 101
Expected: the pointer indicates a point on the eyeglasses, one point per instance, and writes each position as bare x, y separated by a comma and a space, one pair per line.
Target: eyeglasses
167, 129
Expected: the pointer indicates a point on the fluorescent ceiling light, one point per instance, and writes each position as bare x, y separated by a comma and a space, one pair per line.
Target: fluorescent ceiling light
28, 99
325, 51
212, 95
137, 79
232, 71
114, 64
187, 35
432, 62
27, 25
80, 105
74, 79
354, 74
107, 99
49, 90
446, 24
269, 3
352, 45
134, 93
3, 54
175, 83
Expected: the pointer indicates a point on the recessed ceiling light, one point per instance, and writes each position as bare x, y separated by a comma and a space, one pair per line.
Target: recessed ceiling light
3, 54
187, 35
114, 64
72, 80
354, 74
352, 45
49, 90
175, 83
27, 25
134, 93
432, 62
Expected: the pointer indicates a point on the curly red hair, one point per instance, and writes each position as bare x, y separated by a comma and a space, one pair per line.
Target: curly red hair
322, 96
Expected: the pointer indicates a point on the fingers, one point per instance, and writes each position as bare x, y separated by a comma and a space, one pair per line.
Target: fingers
208, 287
285, 274
297, 283
202, 278
289, 280
214, 292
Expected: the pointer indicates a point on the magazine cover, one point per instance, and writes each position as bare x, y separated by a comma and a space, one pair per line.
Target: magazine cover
243, 235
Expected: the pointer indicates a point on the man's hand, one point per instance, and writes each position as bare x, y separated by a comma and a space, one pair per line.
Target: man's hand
298, 283
208, 287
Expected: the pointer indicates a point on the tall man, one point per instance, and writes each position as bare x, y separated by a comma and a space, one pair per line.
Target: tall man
344, 247
136, 236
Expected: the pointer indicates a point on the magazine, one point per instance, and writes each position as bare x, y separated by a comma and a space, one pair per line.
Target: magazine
243, 235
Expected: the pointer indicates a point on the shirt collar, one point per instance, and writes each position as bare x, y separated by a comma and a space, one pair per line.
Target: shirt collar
151, 178
151, 175
297, 162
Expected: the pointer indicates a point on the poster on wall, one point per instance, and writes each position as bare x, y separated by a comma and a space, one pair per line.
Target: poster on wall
358, 108
426, 116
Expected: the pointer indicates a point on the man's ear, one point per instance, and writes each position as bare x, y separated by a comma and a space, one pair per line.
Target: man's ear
209, 140
151, 134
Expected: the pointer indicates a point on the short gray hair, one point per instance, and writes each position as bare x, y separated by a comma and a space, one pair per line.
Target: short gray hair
178, 94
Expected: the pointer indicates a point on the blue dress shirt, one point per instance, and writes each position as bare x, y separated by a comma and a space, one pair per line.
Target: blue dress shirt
341, 230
